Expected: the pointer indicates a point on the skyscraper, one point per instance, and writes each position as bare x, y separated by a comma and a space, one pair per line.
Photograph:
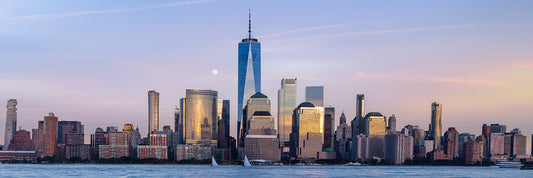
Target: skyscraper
307, 131
451, 143
286, 105
49, 135
315, 95
358, 122
392, 123
249, 71
223, 123
329, 126
435, 132
64, 127
11, 122
176, 119
260, 139
153, 111
257, 102
375, 128
197, 107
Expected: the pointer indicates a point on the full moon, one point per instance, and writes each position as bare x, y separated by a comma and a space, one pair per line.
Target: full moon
214, 72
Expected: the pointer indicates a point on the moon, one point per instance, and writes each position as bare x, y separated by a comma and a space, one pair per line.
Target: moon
214, 72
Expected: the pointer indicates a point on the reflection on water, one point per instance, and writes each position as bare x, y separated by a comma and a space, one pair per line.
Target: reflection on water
90, 170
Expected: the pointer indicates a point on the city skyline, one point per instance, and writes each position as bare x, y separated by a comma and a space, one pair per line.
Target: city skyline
473, 80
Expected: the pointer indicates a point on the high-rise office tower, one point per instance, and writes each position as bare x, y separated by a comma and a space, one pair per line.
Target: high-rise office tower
398, 147
49, 135
197, 107
249, 71
497, 128
257, 102
358, 122
11, 122
307, 131
286, 105
375, 128
315, 95
223, 120
329, 124
435, 132
342, 136
153, 111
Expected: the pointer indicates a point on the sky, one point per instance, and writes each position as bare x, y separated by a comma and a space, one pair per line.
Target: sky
94, 61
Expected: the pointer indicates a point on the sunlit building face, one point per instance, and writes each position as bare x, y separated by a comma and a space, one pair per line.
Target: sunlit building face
197, 107
286, 106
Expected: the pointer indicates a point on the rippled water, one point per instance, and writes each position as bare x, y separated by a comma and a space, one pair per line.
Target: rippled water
89, 170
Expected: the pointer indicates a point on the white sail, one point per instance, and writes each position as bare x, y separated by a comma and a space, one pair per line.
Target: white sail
213, 162
246, 162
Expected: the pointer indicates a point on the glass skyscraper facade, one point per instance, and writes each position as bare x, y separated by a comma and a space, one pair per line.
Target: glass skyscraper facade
315, 95
286, 106
249, 72
153, 111
198, 112
436, 125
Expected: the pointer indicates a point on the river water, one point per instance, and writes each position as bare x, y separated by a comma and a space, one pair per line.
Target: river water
106, 170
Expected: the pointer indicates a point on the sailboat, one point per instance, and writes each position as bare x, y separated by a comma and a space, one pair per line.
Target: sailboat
246, 162
213, 162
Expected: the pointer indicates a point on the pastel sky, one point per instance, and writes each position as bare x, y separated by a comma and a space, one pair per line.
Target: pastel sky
95, 60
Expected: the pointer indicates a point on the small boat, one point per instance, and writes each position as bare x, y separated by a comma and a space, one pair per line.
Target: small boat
313, 164
213, 161
278, 164
353, 164
509, 164
299, 164
246, 162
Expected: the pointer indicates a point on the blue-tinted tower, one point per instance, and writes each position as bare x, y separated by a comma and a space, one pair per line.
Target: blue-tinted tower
249, 71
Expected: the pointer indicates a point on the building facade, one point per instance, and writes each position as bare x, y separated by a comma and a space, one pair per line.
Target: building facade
435, 131
249, 75
315, 95
198, 107
398, 147
11, 122
286, 105
49, 135
329, 127
153, 111
375, 128
307, 133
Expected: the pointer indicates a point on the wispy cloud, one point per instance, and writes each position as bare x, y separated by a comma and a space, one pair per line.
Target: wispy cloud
69, 14
301, 30
377, 32
403, 76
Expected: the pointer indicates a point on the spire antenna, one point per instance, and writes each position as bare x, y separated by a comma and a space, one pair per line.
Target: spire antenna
249, 24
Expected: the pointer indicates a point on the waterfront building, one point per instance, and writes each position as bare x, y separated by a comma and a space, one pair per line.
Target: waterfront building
398, 147
117, 146
100, 137
315, 95
176, 119
472, 151
49, 135
198, 113
418, 135
429, 145
375, 129
64, 127
451, 142
18, 155
518, 144
257, 102
134, 138
286, 105
307, 131
11, 122
329, 124
261, 141
82, 151
21, 141
358, 122
496, 144
37, 137
189, 151
158, 147
436, 124
153, 111
249, 78
360, 148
